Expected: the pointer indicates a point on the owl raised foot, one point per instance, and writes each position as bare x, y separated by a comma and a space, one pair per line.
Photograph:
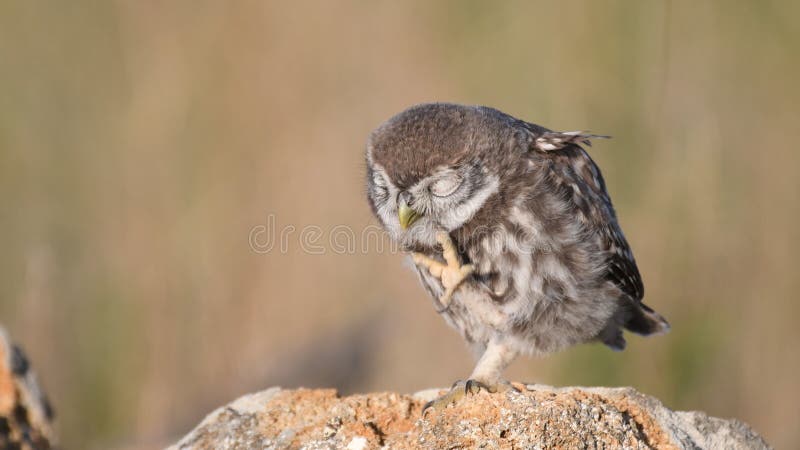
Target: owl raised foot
451, 274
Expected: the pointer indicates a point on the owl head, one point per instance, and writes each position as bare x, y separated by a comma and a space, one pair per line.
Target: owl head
434, 167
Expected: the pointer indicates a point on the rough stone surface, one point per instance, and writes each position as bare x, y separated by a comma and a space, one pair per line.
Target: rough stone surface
537, 417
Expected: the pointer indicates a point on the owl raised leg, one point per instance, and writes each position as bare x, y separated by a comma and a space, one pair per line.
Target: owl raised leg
487, 375
451, 274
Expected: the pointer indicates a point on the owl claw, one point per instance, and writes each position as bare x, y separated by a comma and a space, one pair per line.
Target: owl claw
461, 388
452, 278
452, 396
451, 274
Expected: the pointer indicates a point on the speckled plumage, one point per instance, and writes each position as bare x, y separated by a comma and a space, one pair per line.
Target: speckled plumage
530, 212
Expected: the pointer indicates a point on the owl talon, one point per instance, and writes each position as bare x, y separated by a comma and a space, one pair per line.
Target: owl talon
462, 388
451, 274
455, 394
475, 386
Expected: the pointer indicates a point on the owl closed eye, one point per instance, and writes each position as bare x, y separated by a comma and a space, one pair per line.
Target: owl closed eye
446, 186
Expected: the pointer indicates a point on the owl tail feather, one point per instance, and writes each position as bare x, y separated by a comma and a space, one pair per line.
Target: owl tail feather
644, 321
636, 317
556, 140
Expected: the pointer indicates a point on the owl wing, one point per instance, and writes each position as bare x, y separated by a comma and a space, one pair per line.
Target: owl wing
580, 183
622, 269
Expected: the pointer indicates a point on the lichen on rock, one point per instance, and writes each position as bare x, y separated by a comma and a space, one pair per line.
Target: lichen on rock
536, 417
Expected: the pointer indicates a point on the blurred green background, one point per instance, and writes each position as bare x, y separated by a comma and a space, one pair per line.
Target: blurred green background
141, 142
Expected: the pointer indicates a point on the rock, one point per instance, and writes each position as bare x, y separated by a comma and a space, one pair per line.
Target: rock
537, 417
25, 414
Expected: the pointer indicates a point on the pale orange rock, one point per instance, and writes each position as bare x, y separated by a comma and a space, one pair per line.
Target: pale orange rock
537, 417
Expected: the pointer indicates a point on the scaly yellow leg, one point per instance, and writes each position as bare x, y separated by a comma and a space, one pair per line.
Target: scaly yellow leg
451, 274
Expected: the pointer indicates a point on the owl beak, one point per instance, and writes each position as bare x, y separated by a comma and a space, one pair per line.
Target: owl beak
406, 215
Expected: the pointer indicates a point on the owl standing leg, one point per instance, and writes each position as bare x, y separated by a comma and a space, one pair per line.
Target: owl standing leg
487, 375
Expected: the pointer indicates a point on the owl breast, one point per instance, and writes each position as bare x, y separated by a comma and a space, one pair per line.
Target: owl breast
538, 284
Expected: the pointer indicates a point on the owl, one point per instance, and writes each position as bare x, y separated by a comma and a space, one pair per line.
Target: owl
512, 232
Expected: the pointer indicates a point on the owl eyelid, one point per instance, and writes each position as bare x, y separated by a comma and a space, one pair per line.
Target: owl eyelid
445, 187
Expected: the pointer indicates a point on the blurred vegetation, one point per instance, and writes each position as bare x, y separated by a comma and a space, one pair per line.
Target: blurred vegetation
140, 142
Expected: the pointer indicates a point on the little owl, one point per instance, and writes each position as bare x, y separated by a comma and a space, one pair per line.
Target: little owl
512, 232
